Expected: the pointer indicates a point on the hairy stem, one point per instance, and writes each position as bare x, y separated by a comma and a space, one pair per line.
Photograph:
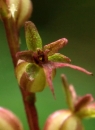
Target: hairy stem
14, 46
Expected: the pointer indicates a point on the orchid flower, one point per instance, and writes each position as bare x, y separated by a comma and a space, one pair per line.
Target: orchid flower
79, 107
40, 63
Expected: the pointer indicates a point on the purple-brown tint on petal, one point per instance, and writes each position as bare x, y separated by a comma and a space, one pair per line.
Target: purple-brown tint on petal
24, 80
60, 65
25, 55
83, 101
48, 73
91, 105
55, 46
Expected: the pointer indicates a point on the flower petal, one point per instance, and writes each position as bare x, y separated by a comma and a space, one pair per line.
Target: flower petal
20, 69
72, 123
57, 57
60, 65
73, 93
83, 101
48, 73
33, 39
68, 93
14, 8
25, 11
55, 46
30, 77
25, 55
87, 112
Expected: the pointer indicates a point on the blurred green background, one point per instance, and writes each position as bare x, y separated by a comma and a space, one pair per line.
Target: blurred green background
55, 19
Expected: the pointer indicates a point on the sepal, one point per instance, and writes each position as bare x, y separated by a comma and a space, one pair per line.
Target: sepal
57, 57
33, 39
55, 46
87, 111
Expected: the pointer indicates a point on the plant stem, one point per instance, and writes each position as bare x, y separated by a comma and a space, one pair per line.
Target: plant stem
14, 46
30, 108
12, 38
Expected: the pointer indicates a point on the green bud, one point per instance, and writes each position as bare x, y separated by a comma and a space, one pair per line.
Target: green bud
8, 121
17, 10
63, 120
79, 107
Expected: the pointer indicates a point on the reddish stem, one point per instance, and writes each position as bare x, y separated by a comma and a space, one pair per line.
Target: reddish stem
29, 100
12, 38
13, 42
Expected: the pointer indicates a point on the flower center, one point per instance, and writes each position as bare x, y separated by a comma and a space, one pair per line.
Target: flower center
40, 57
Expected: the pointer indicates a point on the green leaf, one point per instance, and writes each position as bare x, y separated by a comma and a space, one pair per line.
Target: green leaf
57, 57
33, 39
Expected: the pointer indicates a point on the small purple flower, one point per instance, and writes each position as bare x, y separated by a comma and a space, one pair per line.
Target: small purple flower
39, 63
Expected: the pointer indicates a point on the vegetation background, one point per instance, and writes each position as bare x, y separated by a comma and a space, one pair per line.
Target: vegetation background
54, 19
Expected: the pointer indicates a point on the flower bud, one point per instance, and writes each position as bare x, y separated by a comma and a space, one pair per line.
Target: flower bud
63, 120
8, 121
79, 107
24, 12
17, 10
